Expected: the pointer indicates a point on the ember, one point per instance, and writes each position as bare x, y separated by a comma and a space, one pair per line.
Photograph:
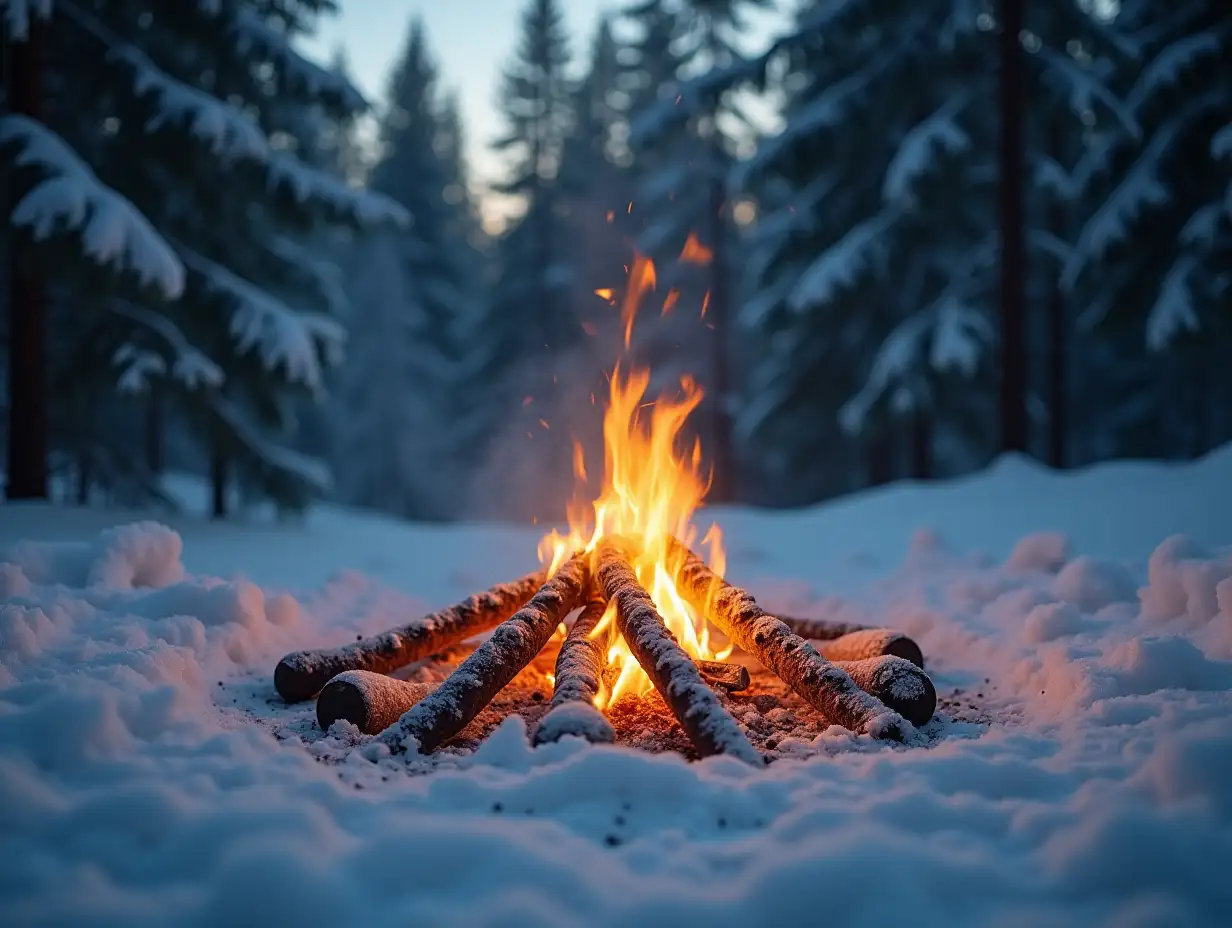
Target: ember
647, 605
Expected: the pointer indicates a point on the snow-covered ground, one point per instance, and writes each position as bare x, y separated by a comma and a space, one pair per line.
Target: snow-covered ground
141, 785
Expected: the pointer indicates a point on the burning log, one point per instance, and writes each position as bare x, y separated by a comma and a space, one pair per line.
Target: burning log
823, 685
369, 701
490, 667
898, 683
579, 676
301, 674
732, 677
698, 710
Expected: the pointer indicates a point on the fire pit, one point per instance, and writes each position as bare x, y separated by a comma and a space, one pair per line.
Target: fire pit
645, 604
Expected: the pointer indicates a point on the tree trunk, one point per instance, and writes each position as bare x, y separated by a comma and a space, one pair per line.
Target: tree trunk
1058, 323
154, 415
880, 459
218, 481
27, 425
1013, 394
723, 488
922, 445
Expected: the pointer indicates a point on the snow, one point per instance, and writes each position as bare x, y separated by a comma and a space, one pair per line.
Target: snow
18, 13
143, 764
113, 231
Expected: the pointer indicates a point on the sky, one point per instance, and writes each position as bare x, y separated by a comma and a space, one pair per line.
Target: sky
473, 39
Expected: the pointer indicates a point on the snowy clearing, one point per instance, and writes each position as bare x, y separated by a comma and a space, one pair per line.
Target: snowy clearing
140, 782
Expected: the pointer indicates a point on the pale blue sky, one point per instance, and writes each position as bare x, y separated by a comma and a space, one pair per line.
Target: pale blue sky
472, 39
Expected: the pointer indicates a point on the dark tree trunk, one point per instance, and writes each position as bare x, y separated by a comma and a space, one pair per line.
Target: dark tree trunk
1058, 325
27, 425
1013, 395
922, 445
84, 476
154, 417
880, 461
723, 488
218, 481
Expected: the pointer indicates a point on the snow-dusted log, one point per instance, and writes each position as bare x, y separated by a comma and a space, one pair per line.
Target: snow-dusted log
898, 683
679, 681
826, 687
843, 641
579, 676
493, 664
302, 674
369, 701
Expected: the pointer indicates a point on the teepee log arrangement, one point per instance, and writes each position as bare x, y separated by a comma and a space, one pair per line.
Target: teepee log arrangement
866, 679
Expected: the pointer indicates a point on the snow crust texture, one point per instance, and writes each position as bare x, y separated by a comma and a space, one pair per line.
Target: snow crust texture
1094, 785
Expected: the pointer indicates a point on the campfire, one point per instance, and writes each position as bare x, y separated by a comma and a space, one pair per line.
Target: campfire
645, 602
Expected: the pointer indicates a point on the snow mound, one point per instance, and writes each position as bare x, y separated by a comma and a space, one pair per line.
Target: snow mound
145, 554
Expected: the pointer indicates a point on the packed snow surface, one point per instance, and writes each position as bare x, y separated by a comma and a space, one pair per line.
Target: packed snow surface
1087, 615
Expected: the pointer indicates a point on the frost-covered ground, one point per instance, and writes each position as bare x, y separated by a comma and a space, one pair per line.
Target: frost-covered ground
140, 782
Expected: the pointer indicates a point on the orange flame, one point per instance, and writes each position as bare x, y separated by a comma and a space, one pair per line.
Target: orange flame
651, 488
641, 279
695, 252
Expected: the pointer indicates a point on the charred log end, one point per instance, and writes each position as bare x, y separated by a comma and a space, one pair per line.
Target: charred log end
905, 688
908, 650
293, 682
731, 677
342, 699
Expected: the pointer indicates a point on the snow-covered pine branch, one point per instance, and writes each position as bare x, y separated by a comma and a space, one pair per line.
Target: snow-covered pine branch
311, 471
954, 333
1173, 311
233, 135
256, 33
138, 366
113, 231
1141, 188
840, 265
324, 275
18, 13
189, 366
938, 132
1086, 87
284, 337
1168, 67
305, 182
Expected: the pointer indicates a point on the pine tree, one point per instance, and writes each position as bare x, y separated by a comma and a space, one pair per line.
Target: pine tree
1149, 264
193, 99
532, 327
412, 296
